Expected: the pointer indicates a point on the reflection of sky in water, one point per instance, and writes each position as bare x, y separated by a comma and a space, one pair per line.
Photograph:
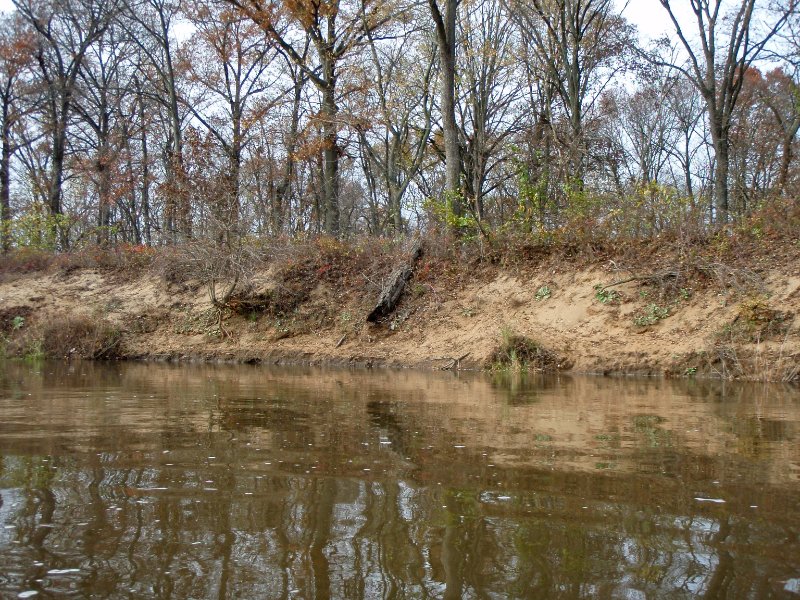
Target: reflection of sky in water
9, 501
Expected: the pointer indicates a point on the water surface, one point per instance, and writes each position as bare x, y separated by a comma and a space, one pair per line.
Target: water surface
133, 481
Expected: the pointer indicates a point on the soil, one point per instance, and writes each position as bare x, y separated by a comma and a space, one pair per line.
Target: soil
730, 320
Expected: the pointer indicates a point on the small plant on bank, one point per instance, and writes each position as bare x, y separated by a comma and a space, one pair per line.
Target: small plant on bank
757, 320
543, 293
606, 296
650, 315
738, 351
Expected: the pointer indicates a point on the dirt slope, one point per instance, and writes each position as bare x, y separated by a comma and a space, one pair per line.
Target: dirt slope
629, 328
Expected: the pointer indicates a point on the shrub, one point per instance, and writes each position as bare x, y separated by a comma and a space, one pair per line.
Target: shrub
79, 336
755, 321
519, 352
65, 336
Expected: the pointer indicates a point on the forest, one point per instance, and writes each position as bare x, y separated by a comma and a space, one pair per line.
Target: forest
155, 122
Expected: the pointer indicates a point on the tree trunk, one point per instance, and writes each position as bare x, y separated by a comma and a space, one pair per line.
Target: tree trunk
721, 187
721, 145
57, 168
786, 159
395, 208
5, 181
447, 49
230, 197
282, 193
56, 179
104, 200
446, 42
145, 180
330, 153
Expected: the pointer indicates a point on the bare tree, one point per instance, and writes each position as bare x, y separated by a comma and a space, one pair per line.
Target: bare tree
336, 28
687, 111
65, 30
724, 45
492, 90
643, 127
101, 87
395, 144
582, 45
151, 24
781, 94
16, 57
227, 60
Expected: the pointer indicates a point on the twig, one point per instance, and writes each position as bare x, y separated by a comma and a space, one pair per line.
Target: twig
455, 362
341, 341
651, 277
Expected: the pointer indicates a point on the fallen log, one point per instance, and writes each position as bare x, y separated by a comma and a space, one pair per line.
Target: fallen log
395, 285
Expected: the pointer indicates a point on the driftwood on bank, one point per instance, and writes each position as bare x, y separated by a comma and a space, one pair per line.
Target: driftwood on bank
395, 285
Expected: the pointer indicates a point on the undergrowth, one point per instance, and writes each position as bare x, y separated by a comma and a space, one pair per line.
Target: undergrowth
771, 233
519, 353
64, 336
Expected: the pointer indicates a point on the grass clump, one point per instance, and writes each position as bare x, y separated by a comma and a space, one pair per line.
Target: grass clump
517, 352
753, 345
755, 321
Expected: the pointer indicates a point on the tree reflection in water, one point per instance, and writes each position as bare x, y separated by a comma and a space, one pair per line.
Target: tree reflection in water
159, 481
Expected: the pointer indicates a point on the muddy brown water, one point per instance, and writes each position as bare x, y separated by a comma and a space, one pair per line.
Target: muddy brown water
158, 481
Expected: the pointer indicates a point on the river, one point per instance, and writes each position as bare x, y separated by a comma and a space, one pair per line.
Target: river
162, 481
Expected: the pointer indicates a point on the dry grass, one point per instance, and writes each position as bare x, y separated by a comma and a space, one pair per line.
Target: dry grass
125, 259
66, 336
758, 363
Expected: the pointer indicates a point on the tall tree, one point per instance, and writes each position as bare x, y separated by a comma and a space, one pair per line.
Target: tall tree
101, 88
492, 89
16, 57
643, 127
724, 45
152, 25
227, 62
394, 144
336, 28
444, 14
582, 45
687, 111
65, 30
781, 94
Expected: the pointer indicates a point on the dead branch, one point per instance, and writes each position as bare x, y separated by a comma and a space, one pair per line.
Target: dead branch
390, 295
652, 277
454, 363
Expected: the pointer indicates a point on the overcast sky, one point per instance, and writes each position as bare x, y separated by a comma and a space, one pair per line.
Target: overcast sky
649, 16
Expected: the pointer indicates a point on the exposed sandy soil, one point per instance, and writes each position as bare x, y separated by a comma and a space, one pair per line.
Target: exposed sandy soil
710, 329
